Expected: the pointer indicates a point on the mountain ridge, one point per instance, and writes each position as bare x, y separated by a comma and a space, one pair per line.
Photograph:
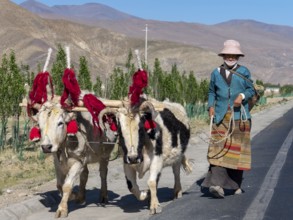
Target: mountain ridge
267, 47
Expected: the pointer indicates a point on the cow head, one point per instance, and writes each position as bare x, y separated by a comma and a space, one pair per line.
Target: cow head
132, 133
52, 120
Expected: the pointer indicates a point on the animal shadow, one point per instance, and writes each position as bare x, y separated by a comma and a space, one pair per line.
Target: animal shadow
130, 204
51, 199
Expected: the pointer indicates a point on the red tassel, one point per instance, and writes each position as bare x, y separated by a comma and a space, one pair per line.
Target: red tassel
94, 106
113, 126
110, 120
139, 81
38, 94
149, 124
72, 127
35, 134
71, 88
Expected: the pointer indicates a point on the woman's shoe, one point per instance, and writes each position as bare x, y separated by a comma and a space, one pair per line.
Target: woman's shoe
217, 191
238, 192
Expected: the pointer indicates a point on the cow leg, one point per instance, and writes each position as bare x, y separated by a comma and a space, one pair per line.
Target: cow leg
155, 172
103, 175
130, 175
177, 183
60, 177
60, 181
186, 164
72, 176
82, 186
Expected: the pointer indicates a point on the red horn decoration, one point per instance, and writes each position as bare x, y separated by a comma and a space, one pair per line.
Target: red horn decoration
94, 106
38, 94
139, 81
71, 87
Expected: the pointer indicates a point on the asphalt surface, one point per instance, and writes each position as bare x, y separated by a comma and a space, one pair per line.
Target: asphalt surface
267, 187
123, 205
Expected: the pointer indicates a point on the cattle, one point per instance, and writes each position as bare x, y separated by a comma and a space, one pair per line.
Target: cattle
152, 149
72, 154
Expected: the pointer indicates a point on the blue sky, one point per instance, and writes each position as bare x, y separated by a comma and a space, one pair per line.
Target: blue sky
197, 11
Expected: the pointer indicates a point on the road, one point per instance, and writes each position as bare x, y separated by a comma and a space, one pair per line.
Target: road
267, 133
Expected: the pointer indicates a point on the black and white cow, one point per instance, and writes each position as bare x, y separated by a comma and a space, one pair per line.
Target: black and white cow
153, 149
72, 154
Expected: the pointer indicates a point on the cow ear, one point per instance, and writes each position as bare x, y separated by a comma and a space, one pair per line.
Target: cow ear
70, 116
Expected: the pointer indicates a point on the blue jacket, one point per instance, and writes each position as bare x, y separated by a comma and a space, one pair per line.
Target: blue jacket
221, 95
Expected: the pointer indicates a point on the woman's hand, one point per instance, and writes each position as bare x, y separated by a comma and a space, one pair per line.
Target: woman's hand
238, 101
211, 111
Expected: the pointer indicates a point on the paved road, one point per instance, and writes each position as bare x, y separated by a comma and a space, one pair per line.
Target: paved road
268, 186
122, 204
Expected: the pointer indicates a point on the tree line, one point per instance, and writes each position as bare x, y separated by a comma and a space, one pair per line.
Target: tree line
178, 87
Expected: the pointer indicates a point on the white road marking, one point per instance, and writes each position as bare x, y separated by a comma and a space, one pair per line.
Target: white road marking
259, 205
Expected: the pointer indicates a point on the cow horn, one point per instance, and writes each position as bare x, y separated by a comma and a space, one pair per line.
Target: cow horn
150, 106
103, 112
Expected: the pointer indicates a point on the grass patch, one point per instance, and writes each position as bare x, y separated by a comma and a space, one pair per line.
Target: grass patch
31, 169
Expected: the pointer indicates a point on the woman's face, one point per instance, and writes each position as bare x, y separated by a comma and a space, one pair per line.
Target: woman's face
230, 59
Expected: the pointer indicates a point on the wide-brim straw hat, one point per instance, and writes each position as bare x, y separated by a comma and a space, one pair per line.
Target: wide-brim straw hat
231, 47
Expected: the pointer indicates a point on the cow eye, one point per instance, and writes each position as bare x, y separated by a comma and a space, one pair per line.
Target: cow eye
60, 123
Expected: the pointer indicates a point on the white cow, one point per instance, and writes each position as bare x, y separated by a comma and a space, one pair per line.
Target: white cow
154, 149
72, 154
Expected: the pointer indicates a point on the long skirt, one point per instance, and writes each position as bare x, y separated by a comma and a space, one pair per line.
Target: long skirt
228, 157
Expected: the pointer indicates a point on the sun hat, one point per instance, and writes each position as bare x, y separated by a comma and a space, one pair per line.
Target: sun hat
231, 47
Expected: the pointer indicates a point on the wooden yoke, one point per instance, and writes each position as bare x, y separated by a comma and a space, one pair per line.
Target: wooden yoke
108, 103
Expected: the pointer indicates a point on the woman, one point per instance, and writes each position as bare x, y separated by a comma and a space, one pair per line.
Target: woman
229, 152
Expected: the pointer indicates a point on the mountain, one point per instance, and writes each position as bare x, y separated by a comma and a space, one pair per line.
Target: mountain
86, 13
30, 36
267, 47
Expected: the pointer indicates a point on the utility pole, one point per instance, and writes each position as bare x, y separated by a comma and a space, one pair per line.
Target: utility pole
146, 45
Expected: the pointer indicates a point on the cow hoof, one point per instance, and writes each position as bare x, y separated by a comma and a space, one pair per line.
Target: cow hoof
144, 195
104, 201
61, 213
178, 195
156, 210
80, 201
80, 198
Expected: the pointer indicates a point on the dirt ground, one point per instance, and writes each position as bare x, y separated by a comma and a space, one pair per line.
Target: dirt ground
22, 179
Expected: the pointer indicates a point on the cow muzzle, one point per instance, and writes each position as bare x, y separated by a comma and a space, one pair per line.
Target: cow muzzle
133, 159
47, 148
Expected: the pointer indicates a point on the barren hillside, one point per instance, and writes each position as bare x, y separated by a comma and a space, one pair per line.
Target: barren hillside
105, 35
30, 36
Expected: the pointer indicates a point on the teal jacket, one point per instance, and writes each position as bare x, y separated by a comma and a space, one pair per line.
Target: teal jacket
222, 95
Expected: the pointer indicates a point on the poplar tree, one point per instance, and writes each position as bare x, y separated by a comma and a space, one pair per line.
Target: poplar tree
16, 93
4, 104
177, 92
4, 88
58, 69
84, 77
157, 81
203, 91
97, 88
190, 89
118, 84
16, 85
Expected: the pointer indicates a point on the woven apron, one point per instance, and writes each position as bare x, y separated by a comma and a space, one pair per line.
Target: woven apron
235, 151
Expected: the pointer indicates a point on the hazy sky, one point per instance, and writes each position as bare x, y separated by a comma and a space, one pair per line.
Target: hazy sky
197, 11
